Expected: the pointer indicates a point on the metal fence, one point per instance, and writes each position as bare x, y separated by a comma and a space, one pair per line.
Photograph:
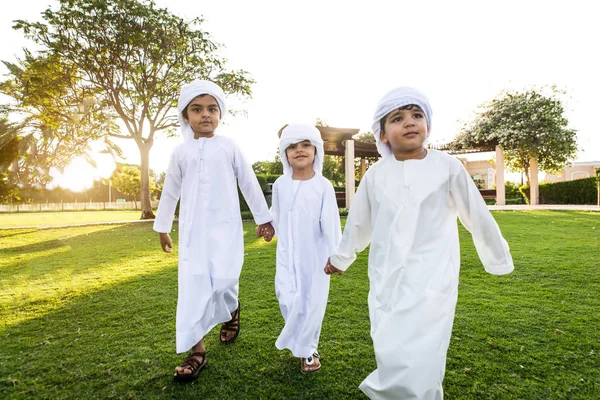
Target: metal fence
103, 205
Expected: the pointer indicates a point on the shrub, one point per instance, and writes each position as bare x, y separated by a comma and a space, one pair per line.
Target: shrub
579, 191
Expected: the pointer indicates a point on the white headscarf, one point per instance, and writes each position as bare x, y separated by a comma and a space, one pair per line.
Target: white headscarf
192, 90
393, 100
296, 133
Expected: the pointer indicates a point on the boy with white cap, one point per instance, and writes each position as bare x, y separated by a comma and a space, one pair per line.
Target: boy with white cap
406, 208
307, 226
202, 173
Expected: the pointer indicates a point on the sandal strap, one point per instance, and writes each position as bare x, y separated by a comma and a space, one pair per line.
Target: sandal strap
233, 324
191, 361
229, 328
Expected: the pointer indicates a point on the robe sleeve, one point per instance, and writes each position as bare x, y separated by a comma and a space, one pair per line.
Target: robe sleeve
330, 218
275, 207
170, 195
491, 247
250, 188
357, 231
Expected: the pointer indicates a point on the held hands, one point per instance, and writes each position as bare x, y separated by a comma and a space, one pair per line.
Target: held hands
165, 242
330, 269
266, 231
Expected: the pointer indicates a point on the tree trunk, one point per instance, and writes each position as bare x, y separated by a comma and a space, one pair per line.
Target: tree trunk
145, 181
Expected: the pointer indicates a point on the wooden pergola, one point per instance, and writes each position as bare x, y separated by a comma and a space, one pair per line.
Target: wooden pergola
339, 142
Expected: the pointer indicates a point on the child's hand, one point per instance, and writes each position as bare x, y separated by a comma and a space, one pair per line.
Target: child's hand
165, 242
266, 231
330, 269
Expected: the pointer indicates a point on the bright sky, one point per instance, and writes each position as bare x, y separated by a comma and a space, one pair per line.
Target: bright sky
333, 60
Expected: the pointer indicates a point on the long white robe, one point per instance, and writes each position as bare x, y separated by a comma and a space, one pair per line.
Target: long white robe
307, 226
203, 173
407, 212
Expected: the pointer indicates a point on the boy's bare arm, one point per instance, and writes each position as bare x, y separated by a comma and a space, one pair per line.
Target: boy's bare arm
165, 242
330, 269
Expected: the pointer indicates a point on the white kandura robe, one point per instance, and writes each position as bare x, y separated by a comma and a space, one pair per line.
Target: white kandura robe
307, 226
407, 212
203, 173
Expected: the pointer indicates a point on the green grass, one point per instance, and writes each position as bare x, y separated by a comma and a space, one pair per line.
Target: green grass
89, 312
64, 218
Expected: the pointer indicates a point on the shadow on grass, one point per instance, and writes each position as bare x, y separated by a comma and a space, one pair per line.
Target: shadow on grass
84, 252
4, 233
118, 342
530, 335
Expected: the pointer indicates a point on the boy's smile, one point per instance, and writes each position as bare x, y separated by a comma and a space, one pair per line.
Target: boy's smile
301, 155
405, 131
203, 115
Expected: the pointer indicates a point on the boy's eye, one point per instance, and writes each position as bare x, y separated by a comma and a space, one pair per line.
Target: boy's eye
214, 110
418, 115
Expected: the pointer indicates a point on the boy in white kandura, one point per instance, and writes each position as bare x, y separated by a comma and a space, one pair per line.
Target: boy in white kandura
406, 208
202, 173
307, 226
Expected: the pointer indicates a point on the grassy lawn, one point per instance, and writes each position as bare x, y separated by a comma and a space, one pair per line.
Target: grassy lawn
64, 218
89, 312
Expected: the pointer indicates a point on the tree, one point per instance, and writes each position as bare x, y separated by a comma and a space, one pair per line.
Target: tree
333, 169
56, 117
527, 125
126, 179
365, 137
137, 57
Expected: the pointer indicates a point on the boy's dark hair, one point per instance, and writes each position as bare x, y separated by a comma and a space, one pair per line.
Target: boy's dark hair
407, 107
185, 113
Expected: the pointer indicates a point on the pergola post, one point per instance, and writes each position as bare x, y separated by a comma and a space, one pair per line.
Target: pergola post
500, 190
363, 167
533, 182
349, 171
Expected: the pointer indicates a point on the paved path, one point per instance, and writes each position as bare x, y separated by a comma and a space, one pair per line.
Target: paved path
515, 207
563, 207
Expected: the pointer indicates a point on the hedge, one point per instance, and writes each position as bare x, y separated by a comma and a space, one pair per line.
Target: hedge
579, 191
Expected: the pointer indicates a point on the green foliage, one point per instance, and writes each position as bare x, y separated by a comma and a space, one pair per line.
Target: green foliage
126, 179
333, 169
135, 57
579, 191
268, 167
58, 116
526, 125
263, 179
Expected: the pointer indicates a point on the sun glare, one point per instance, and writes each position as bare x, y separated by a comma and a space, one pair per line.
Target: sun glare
80, 175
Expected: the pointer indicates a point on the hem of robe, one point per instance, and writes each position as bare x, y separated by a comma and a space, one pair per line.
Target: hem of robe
393, 393
500, 270
297, 351
186, 339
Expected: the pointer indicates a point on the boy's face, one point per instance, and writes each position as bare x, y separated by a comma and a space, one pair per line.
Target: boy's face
301, 155
203, 115
405, 130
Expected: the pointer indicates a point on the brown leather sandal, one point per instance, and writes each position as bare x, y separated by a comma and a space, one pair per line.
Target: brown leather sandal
314, 366
231, 326
191, 362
